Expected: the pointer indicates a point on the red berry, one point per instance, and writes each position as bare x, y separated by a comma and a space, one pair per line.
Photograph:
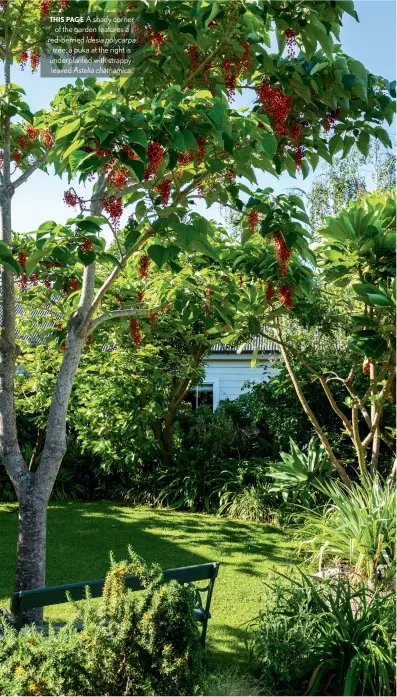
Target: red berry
34, 60
74, 284
90, 339
16, 156
45, 6
71, 199
285, 296
253, 217
135, 332
21, 142
270, 291
63, 346
59, 327
140, 295
155, 154
144, 262
283, 252
276, 105
86, 245
22, 257
114, 207
164, 189
153, 320
23, 58
32, 133
47, 139
291, 43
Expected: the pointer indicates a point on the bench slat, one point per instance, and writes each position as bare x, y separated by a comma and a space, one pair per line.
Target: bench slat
42, 597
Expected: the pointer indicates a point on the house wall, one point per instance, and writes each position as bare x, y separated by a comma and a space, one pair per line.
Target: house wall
228, 373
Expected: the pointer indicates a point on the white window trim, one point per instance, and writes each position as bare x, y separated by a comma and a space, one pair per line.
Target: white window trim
215, 390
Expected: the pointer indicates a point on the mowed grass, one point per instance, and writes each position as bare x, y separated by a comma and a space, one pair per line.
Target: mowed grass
81, 535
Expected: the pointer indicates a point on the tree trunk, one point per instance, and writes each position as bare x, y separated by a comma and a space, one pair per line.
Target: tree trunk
312, 418
31, 548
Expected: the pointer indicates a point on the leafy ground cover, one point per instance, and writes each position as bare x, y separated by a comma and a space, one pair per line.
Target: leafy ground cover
81, 536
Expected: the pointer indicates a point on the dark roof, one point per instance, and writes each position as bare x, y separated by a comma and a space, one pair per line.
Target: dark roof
36, 336
263, 346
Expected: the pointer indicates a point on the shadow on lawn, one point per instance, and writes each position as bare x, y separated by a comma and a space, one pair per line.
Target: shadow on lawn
158, 536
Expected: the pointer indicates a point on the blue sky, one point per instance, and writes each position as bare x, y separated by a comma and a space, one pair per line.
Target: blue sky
372, 41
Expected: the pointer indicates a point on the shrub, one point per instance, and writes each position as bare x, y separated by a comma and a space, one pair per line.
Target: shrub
298, 471
357, 526
234, 683
325, 637
127, 646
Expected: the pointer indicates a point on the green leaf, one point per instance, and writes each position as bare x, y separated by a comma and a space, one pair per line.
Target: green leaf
383, 136
138, 168
335, 144
254, 326
74, 146
161, 255
190, 142
269, 144
372, 344
363, 143
131, 238
216, 114
86, 258
204, 247
228, 142
7, 260
67, 129
178, 141
301, 90
33, 260
186, 234
358, 69
138, 135
77, 158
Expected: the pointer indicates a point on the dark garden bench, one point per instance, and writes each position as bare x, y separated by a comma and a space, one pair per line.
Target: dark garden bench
43, 597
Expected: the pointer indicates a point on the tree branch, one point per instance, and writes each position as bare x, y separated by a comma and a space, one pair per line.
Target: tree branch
25, 175
115, 314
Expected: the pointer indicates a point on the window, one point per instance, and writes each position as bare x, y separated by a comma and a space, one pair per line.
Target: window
201, 395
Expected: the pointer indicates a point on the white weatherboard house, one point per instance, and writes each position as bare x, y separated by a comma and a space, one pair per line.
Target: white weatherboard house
226, 371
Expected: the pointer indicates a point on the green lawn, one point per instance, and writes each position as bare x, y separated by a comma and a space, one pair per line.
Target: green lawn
81, 535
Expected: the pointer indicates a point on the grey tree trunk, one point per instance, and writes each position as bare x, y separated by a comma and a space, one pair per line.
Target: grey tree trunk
31, 548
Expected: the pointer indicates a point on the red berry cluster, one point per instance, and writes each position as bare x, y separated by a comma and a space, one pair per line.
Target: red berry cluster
119, 177
283, 253
164, 189
291, 43
202, 145
144, 262
276, 105
299, 152
63, 346
16, 156
34, 278
32, 133
47, 139
59, 327
233, 67
153, 320
135, 332
114, 207
23, 58
285, 296
22, 256
130, 153
330, 118
34, 60
118, 297
186, 158
74, 284
270, 291
155, 38
155, 154
196, 59
90, 340
71, 199
140, 295
45, 6
22, 143
86, 245
23, 281
295, 133
253, 217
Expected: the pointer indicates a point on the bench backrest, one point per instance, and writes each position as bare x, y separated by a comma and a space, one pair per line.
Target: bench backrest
42, 597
